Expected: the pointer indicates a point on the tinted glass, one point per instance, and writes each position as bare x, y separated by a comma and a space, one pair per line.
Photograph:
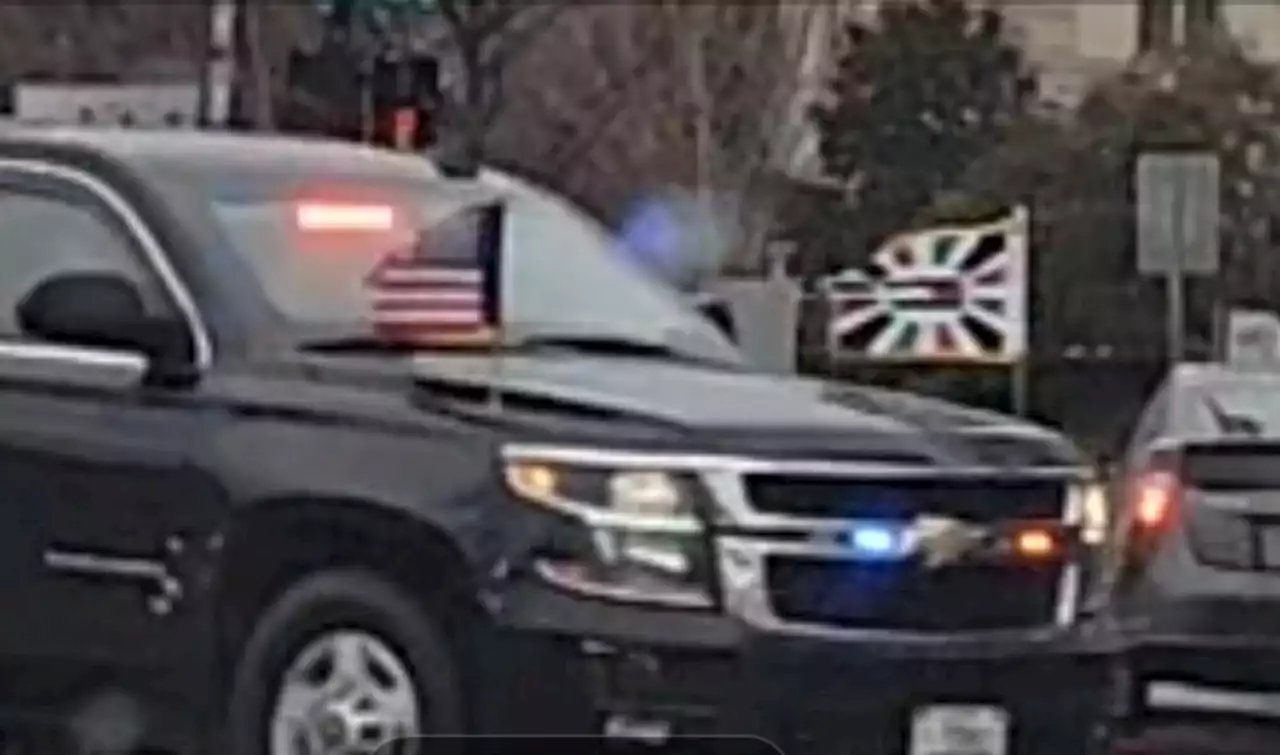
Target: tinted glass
43, 235
562, 272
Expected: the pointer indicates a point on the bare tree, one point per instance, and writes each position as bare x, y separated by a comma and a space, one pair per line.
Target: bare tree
79, 38
709, 97
486, 37
266, 33
752, 72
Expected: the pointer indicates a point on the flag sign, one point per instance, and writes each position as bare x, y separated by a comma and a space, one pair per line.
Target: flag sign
446, 288
945, 294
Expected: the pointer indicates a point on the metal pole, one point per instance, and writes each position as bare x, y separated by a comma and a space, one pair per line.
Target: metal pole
205, 93
1175, 282
220, 64
1177, 311
1020, 387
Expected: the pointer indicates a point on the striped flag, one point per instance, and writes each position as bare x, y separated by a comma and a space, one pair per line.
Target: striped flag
950, 294
446, 289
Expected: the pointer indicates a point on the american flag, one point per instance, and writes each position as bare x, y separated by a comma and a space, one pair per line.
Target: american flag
446, 288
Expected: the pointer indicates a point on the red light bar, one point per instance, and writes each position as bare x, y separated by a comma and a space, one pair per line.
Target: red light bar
345, 216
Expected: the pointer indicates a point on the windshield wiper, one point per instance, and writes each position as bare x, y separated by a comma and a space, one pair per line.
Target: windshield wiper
1232, 423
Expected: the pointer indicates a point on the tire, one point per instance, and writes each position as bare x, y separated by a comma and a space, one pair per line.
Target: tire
317, 607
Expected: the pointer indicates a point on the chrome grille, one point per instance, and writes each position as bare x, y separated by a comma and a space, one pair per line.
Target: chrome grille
806, 581
754, 538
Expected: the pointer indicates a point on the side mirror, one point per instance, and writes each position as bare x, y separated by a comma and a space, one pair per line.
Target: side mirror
102, 310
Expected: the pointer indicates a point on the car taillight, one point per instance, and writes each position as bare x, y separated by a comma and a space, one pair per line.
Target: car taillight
1153, 501
1152, 504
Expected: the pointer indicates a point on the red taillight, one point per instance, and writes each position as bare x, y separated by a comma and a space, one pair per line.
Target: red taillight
1153, 500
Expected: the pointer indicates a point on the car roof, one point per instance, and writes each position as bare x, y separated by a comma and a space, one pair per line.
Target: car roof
1208, 376
227, 149
1186, 386
267, 152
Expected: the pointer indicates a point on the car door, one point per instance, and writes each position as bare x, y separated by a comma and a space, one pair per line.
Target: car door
103, 504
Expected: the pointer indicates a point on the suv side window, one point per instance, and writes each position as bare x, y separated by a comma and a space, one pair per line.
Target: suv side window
49, 228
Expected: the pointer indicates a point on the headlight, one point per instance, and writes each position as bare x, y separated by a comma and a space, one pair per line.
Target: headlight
633, 534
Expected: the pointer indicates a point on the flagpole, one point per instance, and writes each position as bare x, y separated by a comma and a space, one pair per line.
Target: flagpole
1021, 388
495, 372
493, 270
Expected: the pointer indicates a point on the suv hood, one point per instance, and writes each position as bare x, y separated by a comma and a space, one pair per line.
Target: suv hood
752, 406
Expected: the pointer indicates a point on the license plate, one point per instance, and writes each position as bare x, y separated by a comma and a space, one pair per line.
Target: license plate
959, 730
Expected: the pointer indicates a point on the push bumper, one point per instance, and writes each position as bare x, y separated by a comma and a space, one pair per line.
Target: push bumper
558, 664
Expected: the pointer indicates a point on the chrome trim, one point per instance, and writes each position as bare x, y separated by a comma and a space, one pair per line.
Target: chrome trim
677, 462
1071, 583
41, 352
202, 341
621, 593
94, 564
744, 537
1175, 696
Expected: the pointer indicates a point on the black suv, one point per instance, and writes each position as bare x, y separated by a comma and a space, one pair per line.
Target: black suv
234, 515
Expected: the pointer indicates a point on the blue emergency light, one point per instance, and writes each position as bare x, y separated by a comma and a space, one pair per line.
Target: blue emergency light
880, 541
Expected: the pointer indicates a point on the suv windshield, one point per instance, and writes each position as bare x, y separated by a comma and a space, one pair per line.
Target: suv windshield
312, 241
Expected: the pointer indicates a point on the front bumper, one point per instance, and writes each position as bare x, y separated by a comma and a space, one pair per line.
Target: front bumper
558, 664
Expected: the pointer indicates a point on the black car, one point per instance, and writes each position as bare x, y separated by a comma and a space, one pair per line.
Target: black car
1198, 586
239, 518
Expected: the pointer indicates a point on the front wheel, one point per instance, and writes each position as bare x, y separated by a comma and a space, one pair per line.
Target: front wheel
344, 663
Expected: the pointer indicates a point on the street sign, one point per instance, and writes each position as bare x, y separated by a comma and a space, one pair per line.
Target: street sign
1177, 213
952, 294
1177, 227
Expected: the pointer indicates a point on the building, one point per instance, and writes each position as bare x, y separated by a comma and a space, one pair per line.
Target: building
1076, 41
